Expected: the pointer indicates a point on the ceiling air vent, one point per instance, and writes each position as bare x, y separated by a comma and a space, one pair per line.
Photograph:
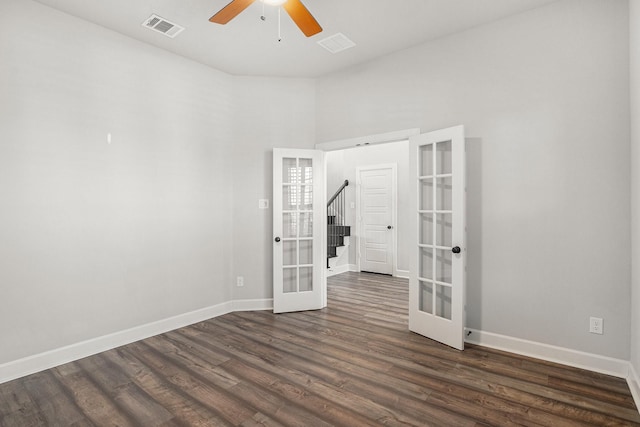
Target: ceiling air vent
336, 43
161, 25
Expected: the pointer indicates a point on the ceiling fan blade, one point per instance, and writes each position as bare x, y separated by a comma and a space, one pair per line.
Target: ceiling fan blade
230, 11
302, 17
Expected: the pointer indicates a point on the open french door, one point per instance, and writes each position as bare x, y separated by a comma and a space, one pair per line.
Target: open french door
298, 223
437, 280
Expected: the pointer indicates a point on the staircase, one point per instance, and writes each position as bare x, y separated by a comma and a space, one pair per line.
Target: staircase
337, 231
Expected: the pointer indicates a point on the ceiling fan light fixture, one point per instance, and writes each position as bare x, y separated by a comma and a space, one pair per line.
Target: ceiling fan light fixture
294, 8
274, 2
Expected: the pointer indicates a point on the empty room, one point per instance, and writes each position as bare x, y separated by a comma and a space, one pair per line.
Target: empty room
314, 213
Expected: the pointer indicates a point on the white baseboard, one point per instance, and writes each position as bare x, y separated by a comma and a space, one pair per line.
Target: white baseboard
402, 273
353, 267
253, 304
578, 359
634, 384
338, 269
52, 358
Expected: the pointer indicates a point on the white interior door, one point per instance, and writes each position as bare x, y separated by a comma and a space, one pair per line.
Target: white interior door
437, 281
376, 195
297, 229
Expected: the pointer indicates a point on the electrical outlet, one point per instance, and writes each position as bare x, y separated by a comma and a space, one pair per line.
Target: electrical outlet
239, 281
596, 325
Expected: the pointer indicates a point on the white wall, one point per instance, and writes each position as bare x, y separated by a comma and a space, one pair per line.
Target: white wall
343, 164
544, 96
98, 238
268, 113
634, 26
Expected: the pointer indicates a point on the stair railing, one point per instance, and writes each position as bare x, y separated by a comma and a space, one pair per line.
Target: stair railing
336, 213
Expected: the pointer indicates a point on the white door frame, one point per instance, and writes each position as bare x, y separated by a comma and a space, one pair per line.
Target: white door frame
341, 144
394, 211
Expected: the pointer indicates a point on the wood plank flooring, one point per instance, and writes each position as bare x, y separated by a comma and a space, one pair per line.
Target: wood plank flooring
351, 364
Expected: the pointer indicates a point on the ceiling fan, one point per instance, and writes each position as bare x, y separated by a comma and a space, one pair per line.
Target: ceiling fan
296, 10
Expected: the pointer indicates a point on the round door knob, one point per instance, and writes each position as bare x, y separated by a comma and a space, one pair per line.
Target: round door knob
277, 239
389, 227
455, 249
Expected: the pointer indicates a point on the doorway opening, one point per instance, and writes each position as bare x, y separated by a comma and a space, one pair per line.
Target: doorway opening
436, 194
375, 208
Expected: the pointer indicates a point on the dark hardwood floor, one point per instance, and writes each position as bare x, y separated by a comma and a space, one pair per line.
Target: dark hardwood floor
351, 364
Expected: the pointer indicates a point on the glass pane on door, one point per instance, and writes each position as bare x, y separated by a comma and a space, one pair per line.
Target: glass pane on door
443, 157
306, 225
297, 224
426, 161
306, 252
443, 229
443, 265
289, 252
289, 171
306, 171
306, 197
425, 299
290, 280
289, 197
426, 194
443, 301
425, 225
306, 279
289, 224
443, 194
425, 263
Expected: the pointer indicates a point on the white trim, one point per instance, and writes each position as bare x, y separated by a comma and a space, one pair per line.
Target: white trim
566, 356
634, 384
52, 358
338, 269
323, 233
342, 268
402, 273
380, 138
252, 304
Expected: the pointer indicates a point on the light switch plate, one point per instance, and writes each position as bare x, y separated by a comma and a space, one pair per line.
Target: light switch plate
263, 204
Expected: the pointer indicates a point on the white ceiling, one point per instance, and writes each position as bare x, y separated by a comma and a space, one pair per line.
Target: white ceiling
249, 46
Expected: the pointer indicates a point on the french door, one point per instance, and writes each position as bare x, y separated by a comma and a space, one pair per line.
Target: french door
298, 261
437, 280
